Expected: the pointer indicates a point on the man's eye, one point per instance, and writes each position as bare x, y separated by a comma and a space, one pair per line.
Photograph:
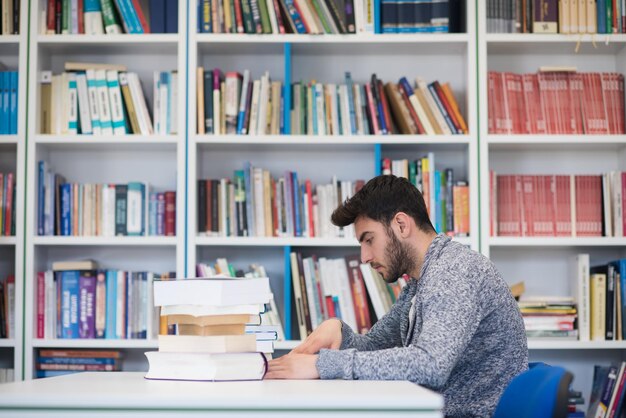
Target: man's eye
369, 241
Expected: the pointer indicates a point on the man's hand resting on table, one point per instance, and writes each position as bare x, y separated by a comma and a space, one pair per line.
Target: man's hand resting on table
300, 363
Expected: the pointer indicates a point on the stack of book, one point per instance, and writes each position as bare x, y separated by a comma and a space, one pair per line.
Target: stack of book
549, 317
214, 340
58, 362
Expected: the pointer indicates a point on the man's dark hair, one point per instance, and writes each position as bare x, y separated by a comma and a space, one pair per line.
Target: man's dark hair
380, 199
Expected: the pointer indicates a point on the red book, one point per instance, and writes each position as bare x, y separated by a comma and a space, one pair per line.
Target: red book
51, 17
447, 106
281, 27
239, 17
170, 214
372, 107
359, 295
41, 303
529, 194
81, 16
491, 102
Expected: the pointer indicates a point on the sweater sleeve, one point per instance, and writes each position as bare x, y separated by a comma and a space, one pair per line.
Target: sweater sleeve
384, 334
450, 319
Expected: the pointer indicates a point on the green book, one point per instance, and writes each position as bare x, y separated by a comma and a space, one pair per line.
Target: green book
265, 17
111, 24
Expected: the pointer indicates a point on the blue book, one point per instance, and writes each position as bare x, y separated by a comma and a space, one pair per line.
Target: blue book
153, 208
4, 105
157, 15
171, 16
296, 205
78, 360
249, 208
601, 15
295, 16
66, 209
111, 304
13, 77
69, 303
243, 102
350, 85
437, 187
620, 266
41, 193
53, 373
129, 16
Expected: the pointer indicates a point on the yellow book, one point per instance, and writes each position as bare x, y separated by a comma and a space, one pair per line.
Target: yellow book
229, 329
598, 306
447, 91
128, 102
200, 99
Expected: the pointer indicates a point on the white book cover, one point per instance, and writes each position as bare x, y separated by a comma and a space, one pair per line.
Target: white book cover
258, 202
72, 98
345, 293
213, 291
120, 305
217, 107
359, 15
263, 102
320, 109
243, 102
115, 99
50, 301
231, 108
139, 101
73, 29
107, 210
346, 126
63, 128
606, 204
83, 104
369, 16
617, 204
357, 109
156, 101
93, 18
431, 168
254, 107
165, 90
94, 102
173, 103
272, 14
421, 114
580, 290
315, 310
134, 210
103, 100
297, 293
421, 84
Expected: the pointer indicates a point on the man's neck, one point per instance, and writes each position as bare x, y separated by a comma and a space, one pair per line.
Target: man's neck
421, 244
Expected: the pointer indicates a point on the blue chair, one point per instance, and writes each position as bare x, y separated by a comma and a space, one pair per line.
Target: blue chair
539, 392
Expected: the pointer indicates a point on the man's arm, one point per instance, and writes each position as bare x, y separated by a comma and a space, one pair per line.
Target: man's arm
450, 319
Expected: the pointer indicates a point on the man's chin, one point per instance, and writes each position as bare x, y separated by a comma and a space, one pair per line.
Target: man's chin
390, 280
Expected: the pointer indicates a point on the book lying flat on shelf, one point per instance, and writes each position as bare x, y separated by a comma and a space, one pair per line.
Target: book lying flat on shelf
207, 344
212, 291
207, 367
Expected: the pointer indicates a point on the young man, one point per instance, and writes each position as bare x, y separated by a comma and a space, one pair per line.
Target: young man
455, 327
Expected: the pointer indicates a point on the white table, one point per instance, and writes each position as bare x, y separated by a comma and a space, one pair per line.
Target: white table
126, 394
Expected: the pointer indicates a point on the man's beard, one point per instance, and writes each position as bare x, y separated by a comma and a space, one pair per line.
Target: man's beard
400, 258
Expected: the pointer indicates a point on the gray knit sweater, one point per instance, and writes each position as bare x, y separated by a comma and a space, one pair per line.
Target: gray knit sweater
466, 341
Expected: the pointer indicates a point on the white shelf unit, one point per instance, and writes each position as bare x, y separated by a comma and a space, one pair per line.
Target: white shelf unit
324, 59
546, 264
157, 160
14, 55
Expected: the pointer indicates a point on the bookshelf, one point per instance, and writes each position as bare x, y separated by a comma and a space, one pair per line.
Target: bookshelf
13, 54
157, 160
546, 264
291, 58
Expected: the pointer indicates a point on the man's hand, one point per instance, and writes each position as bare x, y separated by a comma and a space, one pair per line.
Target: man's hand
327, 335
293, 366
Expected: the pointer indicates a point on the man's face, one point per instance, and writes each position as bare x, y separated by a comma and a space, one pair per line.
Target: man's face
383, 250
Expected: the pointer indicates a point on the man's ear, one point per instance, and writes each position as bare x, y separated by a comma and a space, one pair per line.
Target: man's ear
403, 224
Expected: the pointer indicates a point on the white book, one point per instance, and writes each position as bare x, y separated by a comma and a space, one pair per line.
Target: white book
580, 290
297, 293
421, 114
83, 104
357, 109
72, 97
94, 101
359, 16
272, 14
254, 107
617, 204
205, 310
369, 16
216, 291
115, 99
134, 210
320, 104
73, 29
217, 106
431, 168
223, 209
346, 127
345, 292
231, 105
143, 117
156, 101
164, 103
173, 103
258, 202
50, 301
108, 210
120, 304
311, 292
421, 84
64, 103
606, 204
243, 102
263, 104
103, 100
93, 19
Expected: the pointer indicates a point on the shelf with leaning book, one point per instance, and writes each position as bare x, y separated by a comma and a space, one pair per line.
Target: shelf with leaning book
108, 17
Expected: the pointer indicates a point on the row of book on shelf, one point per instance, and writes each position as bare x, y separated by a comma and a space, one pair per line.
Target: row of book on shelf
558, 205
556, 16
8, 101
7, 307
7, 204
75, 209
446, 199
10, 17
286, 16
608, 391
97, 17
102, 99
556, 102
233, 103
79, 300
